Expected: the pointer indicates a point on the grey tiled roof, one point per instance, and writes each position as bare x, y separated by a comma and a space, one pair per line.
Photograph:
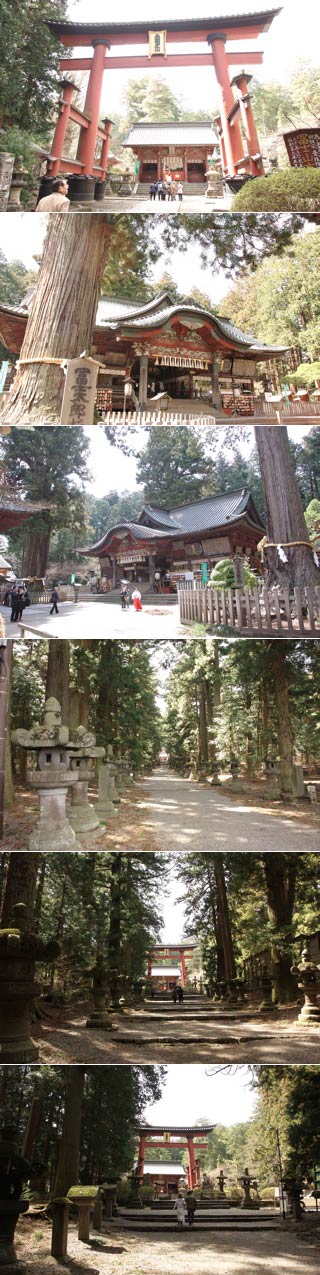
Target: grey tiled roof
199, 132
243, 18
161, 310
200, 516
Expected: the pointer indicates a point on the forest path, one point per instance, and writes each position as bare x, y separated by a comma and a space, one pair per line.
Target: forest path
125, 1253
185, 815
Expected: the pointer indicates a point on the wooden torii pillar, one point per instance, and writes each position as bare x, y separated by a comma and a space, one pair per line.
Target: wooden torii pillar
65, 104
231, 132
88, 136
183, 968
192, 1168
141, 1155
241, 82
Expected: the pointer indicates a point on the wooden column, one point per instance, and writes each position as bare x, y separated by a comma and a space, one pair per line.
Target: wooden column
231, 132
159, 166
143, 379
216, 395
88, 136
183, 969
192, 1163
241, 82
59, 1238
141, 1156
185, 165
105, 148
68, 89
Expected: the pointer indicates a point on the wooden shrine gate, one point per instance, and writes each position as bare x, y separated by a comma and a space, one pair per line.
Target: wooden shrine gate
239, 143
258, 612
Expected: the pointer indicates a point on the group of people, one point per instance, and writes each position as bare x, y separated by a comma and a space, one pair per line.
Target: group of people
185, 1208
18, 598
167, 189
177, 994
125, 597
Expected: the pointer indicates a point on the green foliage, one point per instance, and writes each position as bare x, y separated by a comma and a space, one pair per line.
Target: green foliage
44, 465
174, 468
14, 281
280, 302
307, 374
29, 65
312, 516
292, 190
223, 575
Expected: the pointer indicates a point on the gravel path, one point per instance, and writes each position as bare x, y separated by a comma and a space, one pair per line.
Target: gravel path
87, 620
123, 1253
185, 815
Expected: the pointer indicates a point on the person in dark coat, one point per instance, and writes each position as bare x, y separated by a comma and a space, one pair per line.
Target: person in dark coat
174, 995
180, 995
14, 605
54, 599
191, 1207
20, 604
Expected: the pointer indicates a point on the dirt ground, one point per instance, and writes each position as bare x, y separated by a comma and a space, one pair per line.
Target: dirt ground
117, 1252
131, 829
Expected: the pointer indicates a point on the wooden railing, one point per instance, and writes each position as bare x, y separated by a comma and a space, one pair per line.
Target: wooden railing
253, 612
286, 410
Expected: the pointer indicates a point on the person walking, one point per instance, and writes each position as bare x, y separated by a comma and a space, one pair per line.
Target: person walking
14, 604
20, 604
180, 1209
180, 192
180, 995
58, 200
54, 599
136, 598
191, 1204
174, 995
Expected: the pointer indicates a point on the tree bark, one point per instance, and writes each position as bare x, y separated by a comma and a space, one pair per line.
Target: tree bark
203, 732
224, 918
281, 875
20, 886
57, 683
114, 946
283, 711
8, 776
68, 1170
36, 552
5, 685
62, 315
285, 518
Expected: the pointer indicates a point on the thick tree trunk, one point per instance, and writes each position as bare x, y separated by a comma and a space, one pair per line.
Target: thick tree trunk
285, 518
281, 875
69, 1151
283, 711
20, 886
8, 776
57, 683
62, 315
221, 970
224, 918
5, 685
203, 732
114, 946
35, 553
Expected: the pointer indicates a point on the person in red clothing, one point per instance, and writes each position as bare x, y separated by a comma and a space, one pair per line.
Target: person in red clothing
136, 598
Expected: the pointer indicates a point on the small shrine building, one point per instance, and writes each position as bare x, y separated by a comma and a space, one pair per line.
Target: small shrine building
160, 350
174, 1137
169, 964
181, 149
166, 543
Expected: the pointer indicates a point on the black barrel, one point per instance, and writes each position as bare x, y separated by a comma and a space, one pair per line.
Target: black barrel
99, 189
81, 189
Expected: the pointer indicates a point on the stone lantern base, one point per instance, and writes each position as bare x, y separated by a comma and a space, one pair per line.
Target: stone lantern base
10, 1211
16, 1000
53, 832
310, 1013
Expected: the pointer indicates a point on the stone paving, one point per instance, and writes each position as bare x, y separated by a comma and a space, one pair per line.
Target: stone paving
97, 620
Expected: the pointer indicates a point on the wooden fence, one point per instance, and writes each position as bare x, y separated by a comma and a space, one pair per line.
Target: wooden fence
286, 410
252, 612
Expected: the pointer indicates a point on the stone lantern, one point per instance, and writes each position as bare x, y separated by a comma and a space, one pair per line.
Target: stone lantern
309, 983
113, 789
14, 1171
247, 1182
84, 1198
83, 751
19, 953
51, 779
234, 767
272, 779
100, 1016
17, 185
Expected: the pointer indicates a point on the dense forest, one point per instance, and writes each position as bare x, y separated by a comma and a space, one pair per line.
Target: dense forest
85, 1121
179, 465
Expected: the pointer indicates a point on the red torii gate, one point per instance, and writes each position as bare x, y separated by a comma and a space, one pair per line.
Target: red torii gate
152, 1137
239, 146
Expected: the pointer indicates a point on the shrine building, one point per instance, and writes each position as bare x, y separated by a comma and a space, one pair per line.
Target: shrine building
164, 544
186, 1138
154, 352
198, 42
169, 964
182, 150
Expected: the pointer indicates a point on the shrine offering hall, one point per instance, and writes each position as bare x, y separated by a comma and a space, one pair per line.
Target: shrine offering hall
183, 150
158, 351
166, 543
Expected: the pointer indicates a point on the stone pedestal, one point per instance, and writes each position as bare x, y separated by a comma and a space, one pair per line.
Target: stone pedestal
6, 171
53, 831
298, 782
85, 1199
100, 1016
52, 778
105, 808
246, 1181
10, 1211
82, 815
272, 780
59, 1237
309, 983
19, 952
266, 988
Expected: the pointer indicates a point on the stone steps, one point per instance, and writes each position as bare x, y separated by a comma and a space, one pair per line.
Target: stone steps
211, 1219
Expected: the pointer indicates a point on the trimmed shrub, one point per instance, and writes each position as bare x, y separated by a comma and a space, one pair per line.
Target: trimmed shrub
289, 190
223, 576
